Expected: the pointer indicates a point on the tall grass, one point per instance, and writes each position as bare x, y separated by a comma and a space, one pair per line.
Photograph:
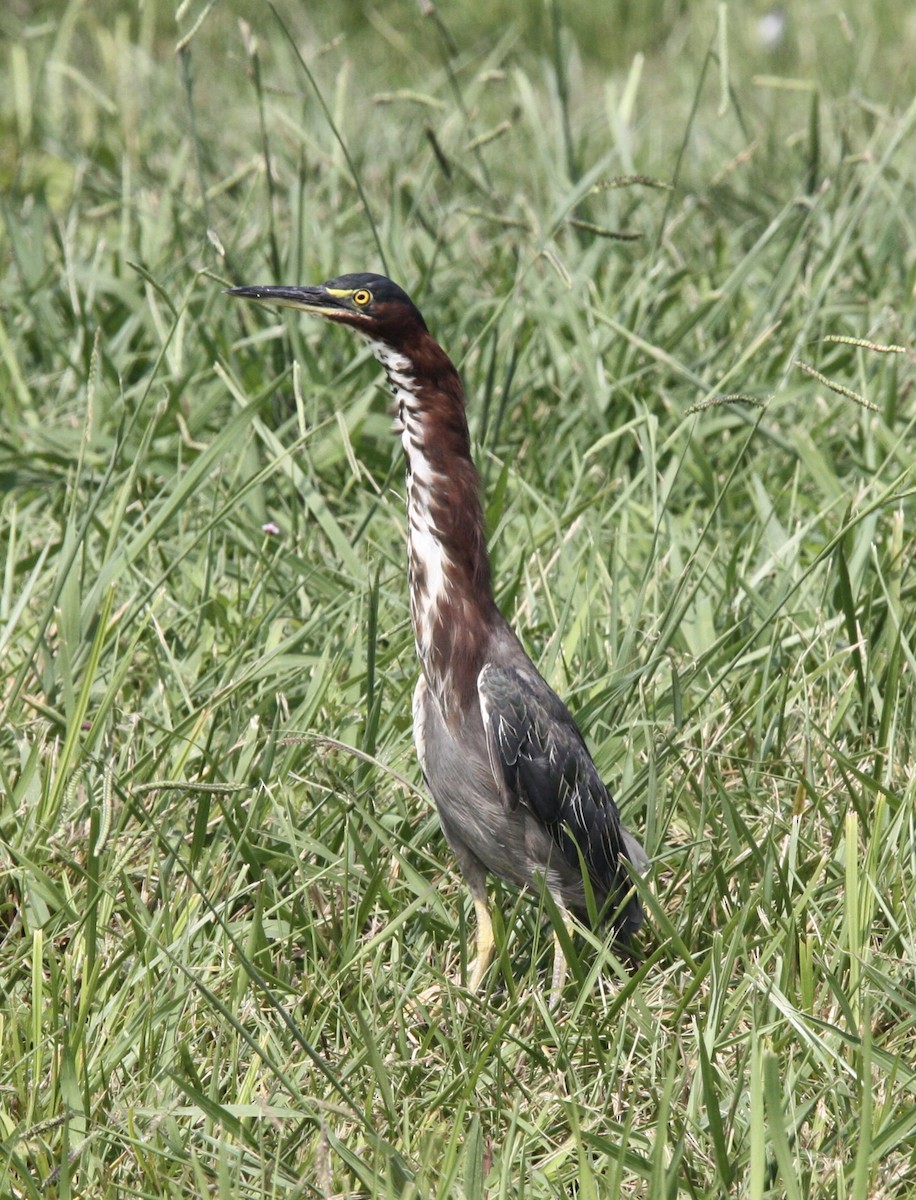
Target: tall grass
677, 273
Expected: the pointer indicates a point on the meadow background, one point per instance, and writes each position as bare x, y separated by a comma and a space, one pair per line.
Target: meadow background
671, 248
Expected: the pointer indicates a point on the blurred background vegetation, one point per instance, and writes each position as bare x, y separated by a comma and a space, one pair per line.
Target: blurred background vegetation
670, 246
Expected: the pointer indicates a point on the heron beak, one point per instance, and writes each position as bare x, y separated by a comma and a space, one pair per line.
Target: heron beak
321, 300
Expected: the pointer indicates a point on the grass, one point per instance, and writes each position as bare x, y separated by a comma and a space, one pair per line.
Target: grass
224, 892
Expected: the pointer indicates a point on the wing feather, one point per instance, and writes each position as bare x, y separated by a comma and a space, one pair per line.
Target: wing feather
539, 759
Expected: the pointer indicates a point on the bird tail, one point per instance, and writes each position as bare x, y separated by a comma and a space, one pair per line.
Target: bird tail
631, 917
634, 852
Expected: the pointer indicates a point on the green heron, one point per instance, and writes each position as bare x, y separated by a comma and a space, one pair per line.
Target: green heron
517, 792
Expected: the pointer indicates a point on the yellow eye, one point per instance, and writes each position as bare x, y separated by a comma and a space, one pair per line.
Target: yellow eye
362, 297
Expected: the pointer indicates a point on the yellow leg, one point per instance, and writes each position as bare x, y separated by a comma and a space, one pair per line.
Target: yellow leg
559, 962
485, 945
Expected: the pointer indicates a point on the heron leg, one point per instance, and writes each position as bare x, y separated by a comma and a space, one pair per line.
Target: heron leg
485, 942
475, 876
559, 961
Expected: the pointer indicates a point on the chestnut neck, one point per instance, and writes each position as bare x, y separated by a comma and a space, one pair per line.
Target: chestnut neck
451, 597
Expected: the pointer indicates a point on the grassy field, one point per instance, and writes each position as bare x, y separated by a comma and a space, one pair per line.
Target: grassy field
674, 260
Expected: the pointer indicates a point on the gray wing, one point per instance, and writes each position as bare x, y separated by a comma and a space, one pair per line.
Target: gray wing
539, 759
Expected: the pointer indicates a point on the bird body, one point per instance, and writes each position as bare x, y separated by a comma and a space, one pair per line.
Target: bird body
517, 792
